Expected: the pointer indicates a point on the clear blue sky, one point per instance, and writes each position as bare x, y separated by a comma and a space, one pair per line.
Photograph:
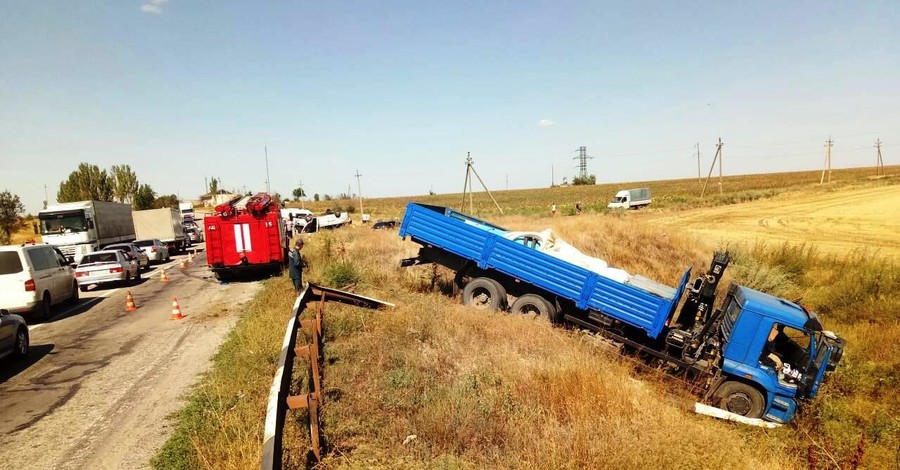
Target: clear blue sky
183, 89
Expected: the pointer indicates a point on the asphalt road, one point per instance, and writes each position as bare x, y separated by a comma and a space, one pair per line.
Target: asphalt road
99, 382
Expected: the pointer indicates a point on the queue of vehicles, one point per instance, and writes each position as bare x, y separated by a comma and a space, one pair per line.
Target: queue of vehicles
87, 243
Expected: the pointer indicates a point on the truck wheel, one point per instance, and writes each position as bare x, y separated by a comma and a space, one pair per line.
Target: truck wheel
741, 399
484, 293
536, 305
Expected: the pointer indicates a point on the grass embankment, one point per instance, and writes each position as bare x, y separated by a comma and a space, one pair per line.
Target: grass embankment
480, 390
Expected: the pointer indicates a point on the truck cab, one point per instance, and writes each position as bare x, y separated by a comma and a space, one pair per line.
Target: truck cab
71, 228
776, 347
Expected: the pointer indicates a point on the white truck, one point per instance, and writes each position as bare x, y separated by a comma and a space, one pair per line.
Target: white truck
162, 224
187, 210
79, 228
631, 199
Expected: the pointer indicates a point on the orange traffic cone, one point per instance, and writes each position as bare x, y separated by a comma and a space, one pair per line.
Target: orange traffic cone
190, 257
176, 310
129, 303
162, 275
183, 265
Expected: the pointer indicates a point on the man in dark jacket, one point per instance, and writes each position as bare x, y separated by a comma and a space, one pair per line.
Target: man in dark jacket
295, 265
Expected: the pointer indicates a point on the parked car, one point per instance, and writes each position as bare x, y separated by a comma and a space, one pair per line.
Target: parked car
155, 250
134, 251
33, 278
107, 266
194, 234
384, 224
13, 335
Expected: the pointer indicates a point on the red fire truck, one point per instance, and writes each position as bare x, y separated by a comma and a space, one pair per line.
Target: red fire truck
246, 238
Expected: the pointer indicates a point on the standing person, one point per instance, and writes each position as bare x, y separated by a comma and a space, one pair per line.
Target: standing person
295, 265
289, 227
553, 210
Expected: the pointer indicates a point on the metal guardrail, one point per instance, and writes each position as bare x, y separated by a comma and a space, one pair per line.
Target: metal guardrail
280, 399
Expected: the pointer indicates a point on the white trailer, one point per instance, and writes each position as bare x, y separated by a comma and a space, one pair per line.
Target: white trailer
79, 228
631, 199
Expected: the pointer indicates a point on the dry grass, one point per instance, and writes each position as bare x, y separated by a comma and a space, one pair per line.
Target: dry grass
486, 390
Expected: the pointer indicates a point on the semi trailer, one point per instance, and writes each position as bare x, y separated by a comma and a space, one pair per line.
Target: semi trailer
79, 228
756, 356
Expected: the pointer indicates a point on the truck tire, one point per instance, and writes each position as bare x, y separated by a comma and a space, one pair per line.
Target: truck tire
741, 399
535, 304
484, 293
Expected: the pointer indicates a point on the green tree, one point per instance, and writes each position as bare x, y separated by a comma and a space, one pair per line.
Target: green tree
11, 220
214, 186
144, 198
125, 183
169, 200
587, 180
298, 193
316, 197
86, 183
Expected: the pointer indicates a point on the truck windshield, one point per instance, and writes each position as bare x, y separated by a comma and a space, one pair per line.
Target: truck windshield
63, 222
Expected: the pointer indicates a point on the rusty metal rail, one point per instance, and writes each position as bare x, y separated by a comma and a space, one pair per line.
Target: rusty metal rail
280, 399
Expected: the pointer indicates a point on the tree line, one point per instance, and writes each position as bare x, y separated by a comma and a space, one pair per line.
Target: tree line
119, 184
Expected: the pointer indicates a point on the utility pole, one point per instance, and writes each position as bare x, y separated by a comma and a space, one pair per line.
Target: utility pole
879, 163
47, 197
582, 162
302, 194
268, 189
467, 186
828, 144
359, 190
718, 158
552, 177
507, 182
699, 176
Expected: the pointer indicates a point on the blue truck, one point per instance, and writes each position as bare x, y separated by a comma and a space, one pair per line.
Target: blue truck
756, 356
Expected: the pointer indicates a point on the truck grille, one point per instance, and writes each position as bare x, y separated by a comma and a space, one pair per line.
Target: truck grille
67, 251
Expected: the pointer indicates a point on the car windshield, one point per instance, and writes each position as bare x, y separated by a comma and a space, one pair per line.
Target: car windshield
62, 223
10, 262
97, 258
119, 247
144, 243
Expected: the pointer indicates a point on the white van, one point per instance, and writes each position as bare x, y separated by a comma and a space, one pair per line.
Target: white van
34, 277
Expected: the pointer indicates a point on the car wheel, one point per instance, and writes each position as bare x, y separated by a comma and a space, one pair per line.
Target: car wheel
73, 300
127, 278
21, 347
137, 276
42, 309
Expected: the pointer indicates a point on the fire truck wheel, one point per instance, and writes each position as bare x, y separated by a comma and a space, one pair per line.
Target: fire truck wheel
484, 293
536, 305
740, 398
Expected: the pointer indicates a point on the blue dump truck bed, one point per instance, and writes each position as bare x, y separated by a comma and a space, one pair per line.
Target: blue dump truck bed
642, 304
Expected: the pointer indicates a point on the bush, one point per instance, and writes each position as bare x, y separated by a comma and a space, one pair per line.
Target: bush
342, 274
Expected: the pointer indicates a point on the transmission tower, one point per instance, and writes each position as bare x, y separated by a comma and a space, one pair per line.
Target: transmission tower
879, 164
582, 162
828, 144
718, 158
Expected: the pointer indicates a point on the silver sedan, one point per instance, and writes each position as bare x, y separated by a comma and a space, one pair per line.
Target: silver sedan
156, 251
106, 266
